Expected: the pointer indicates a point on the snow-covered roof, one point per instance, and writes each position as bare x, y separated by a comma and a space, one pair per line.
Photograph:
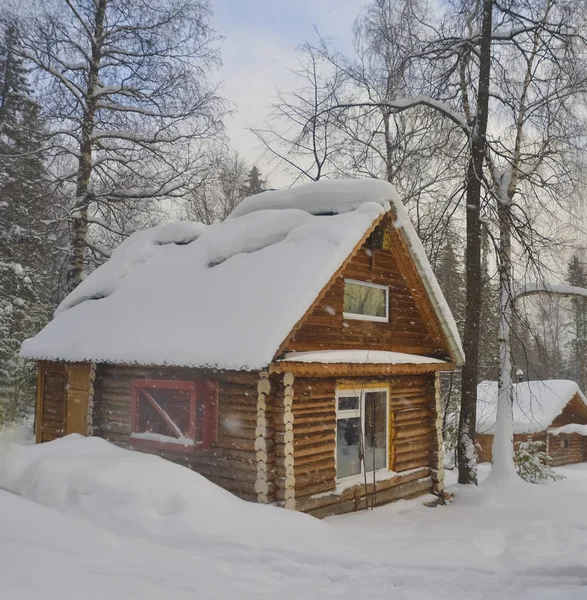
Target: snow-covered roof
224, 295
536, 404
365, 357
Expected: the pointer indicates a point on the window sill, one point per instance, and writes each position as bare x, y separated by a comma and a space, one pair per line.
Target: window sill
355, 317
185, 446
351, 480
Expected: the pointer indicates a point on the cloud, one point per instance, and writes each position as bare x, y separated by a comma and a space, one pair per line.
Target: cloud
259, 51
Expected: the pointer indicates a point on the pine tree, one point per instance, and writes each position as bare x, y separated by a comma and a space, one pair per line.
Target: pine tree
24, 251
255, 184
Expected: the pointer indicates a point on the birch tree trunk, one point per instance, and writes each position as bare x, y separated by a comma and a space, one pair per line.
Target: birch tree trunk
503, 439
75, 271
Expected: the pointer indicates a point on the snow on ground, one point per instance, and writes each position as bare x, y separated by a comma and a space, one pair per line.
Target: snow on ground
109, 523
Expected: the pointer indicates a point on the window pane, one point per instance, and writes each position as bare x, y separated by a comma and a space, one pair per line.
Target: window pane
375, 430
348, 403
347, 447
364, 300
158, 406
200, 420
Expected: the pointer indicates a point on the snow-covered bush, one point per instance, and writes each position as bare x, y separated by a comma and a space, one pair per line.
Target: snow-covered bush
531, 462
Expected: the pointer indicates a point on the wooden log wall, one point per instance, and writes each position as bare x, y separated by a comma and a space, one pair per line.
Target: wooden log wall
409, 329
231, 463
413, 418
264, 447
484, 443
413, 444
574, 453
283, 438
403, 487
314, 431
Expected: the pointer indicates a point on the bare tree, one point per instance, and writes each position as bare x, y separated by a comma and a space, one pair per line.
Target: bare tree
220, 192
128, 101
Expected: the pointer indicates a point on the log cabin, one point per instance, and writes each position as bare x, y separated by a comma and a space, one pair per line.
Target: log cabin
290, 354
552, 411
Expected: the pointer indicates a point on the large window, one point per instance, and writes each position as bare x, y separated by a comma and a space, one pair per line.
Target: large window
174, 415
361, 431
366, 301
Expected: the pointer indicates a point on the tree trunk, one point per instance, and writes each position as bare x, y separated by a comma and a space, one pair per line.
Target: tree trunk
503, 440
79, 241
467, 462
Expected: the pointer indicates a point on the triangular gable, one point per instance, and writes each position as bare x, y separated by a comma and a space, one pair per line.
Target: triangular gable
414, 326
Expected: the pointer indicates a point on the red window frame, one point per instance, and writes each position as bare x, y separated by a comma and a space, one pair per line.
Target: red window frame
200, 391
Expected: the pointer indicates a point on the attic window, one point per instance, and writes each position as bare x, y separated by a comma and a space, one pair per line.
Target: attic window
366, 301
180, 416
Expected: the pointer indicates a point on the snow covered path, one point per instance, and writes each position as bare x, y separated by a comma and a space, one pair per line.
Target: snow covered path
525, 543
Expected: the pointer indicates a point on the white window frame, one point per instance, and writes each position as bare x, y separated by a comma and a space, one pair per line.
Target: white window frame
360, 413
360, 317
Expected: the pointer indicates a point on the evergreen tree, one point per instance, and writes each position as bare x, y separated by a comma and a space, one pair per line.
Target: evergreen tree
255, 184
24, 245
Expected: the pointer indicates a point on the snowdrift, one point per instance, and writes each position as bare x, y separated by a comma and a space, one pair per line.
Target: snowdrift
144, 495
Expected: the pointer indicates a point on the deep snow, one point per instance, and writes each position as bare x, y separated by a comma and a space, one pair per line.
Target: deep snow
101, 535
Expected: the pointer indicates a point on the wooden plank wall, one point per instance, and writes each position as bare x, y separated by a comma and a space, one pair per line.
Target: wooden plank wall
53, 402
231, 463
78, 391
325, 328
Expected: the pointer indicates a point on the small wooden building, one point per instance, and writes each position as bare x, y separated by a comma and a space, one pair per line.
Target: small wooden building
552, 411
290, 354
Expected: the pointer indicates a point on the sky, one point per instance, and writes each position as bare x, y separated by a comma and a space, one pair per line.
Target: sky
258, 52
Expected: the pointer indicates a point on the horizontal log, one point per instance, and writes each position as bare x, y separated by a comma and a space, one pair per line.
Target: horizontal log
302, 451
413, 413
317, 465
282, 437
404, 491
310, 504
318, 488
237, 443
318, 456
215, 471
310, 479
284, 461
235, 486
284, 494
407, 465
412, 431
314, 440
